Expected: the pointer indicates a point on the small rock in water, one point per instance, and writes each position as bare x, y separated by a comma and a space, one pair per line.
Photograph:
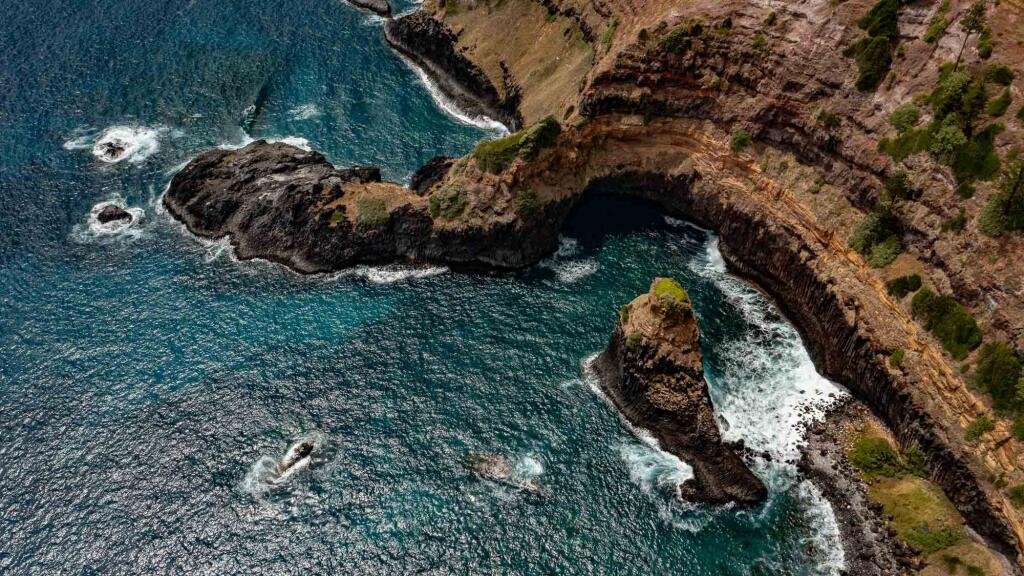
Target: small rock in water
112, 149
111, 213
491, 466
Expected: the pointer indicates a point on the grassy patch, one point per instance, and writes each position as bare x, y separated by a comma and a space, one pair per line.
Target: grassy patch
938, 23
336, 216
905, 117
373, 213
900, 287
609, 34
633, 340
667, 288
948, 321
922, 516
495, 155
448, 202
999, 74
998, 106
874, 457
1017, 495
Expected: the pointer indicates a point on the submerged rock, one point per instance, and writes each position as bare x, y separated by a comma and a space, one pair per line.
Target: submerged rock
112, 212
111, 150
500, 469
652, 371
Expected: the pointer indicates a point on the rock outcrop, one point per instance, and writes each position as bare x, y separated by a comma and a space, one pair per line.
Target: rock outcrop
112, 212
430, 45
652, 371
378, 7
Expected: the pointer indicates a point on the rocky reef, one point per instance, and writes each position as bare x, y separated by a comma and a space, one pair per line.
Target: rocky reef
378, 7
653, 373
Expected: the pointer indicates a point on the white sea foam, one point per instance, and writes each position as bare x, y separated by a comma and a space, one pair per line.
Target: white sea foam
826, 540
246, 139
304, 112
92, 230
266, 474
133, 143
769, 387
392, 272
566, 263
451, 108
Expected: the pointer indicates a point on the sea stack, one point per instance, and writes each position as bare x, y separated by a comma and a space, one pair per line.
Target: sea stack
652, 371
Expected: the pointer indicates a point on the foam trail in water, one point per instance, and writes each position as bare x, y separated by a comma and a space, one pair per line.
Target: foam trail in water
566, 263
268, 473
450, 107
393, 273
304, 112
95, 231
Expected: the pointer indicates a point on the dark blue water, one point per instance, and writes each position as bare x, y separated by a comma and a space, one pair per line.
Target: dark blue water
148, 381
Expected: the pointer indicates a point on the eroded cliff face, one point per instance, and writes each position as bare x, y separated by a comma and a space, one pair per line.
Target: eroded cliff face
652, 371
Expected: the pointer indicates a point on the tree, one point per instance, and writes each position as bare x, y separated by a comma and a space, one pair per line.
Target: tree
948, 139
972, 23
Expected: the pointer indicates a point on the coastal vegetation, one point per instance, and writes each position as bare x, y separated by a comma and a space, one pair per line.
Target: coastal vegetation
448, 202
496, 155
948, 320
372, 213
903, 285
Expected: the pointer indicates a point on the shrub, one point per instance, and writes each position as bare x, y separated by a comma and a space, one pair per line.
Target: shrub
900, 287
681, 37
905, 117
985, 43
1017, 495
938, 23
448, 202
740, 140
965, 190
998, 373
882, 19
999, 74
978, 160
874, 457
524, 202
896, 360
883, 253
949, 91
948, 321
828, 119
624, 313
947, 140
877, 238
336, 215
450, 7
992, 220
633, 340
1018, 424
771, 19
956, 223
978, 427
373, 212
1000, 105
914, 462
1020, 114
758, 41
541, 135
898, 187
874, 57
1005, 208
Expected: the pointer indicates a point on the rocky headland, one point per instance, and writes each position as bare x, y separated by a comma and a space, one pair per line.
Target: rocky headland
652, 371
744, 117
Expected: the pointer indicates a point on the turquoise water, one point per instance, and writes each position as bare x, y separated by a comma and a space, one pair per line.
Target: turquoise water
148, 380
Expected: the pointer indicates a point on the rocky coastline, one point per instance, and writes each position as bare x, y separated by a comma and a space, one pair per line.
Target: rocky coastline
431, 46
652, 371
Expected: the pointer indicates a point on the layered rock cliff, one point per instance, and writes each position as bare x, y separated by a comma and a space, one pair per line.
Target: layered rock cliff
653, 373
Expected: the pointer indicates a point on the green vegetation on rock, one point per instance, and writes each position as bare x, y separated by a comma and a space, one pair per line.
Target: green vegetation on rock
905, 117
667, 288
956, 223
1004, 210
948, 321
1017, 495
938, 23
878, 237
495, 155
900, 287
874, 57
999, 74
874, 457
524, 202
449, 202
680, 38
633, 340
336, 215
373, 212
978, 427
999, 374
609, 34
740, 140
998, 106
896, 360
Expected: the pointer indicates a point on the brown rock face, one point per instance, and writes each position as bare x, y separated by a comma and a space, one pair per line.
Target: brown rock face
652, 371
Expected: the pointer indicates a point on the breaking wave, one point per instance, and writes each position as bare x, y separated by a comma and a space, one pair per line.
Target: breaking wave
305, 112
268, 473
567, 264
390, 273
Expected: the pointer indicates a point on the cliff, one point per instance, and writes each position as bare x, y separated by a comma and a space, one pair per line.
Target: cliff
652, 371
